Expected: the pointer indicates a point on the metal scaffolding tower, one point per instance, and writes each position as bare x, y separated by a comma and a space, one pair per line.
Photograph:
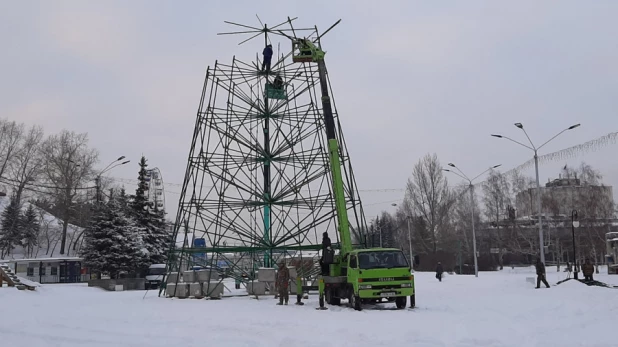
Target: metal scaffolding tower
257, 185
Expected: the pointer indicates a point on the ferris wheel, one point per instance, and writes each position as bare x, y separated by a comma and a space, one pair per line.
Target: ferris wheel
156, 192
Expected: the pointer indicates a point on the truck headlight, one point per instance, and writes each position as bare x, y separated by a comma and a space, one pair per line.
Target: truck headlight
364, 286
406, 285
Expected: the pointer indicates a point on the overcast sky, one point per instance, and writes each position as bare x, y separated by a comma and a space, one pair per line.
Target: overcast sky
408, 77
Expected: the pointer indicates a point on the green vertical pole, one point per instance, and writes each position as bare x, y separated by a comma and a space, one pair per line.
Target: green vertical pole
267, 192
267, 232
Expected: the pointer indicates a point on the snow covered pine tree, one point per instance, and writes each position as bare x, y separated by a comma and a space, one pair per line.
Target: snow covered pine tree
10, 228
30, 229
113, 241
150, 219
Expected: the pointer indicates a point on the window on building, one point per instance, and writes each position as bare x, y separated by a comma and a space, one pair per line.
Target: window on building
30, 272
54, 271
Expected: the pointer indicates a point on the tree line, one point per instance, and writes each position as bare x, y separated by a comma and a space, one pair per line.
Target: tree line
437, 218
57, 175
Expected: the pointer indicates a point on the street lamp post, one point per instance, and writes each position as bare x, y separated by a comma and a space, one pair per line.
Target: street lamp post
471, 188
410, 241
538, 183
109, 167
574, 224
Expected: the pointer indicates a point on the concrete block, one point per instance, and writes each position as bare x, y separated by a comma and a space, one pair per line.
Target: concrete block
182, 290
213, 289
214, 276
172, 277
188, 276
256, 288
118, 287
202, 275
266, 274
195, 289
170, 290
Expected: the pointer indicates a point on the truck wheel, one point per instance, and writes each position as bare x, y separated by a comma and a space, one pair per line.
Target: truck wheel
330, 297
412, 301
401, 301
355, 302
335, 301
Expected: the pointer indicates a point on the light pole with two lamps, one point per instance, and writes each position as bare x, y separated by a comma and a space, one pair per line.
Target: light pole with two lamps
107, 168
471, 187
538, 184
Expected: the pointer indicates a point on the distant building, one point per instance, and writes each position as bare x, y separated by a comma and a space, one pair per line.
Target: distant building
560, 196
51, 270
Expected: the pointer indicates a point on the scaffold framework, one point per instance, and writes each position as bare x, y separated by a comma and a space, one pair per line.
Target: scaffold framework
257, 185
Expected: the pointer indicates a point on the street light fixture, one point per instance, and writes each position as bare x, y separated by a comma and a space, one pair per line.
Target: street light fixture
471, 186
106, 169
574, 224
538, 183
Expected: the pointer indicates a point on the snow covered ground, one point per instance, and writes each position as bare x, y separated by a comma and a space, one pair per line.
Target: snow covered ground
497, 309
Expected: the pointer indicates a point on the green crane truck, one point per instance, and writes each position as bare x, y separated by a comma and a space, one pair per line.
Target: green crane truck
358, 275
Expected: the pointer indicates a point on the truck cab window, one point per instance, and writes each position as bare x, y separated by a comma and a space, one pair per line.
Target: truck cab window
353, 262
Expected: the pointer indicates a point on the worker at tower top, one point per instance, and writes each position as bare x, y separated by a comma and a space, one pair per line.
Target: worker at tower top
278, 83
268, 54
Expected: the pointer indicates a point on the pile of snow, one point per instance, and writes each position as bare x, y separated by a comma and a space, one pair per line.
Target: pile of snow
495, 309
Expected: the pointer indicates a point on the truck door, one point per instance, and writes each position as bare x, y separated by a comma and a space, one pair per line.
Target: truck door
353, 269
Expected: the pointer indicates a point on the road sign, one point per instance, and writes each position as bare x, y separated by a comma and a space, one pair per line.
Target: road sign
494, 250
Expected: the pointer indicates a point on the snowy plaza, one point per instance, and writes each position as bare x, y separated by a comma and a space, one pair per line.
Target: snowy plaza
495, 309
264, 174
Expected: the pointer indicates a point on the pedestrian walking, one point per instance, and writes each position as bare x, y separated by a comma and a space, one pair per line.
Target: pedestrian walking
540, 274
439, 271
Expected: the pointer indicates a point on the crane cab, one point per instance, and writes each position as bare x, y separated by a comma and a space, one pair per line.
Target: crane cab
304, 51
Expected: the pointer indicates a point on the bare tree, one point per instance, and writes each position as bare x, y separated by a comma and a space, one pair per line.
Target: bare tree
28, 162
462, 220
68, 165
428, 196
10, 136
50, 232
496, 196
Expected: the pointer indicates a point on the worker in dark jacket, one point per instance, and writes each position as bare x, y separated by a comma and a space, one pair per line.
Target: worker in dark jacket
278, 83
588, 270
326, 250
439, 271
540, 274
268, 55
282, 283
